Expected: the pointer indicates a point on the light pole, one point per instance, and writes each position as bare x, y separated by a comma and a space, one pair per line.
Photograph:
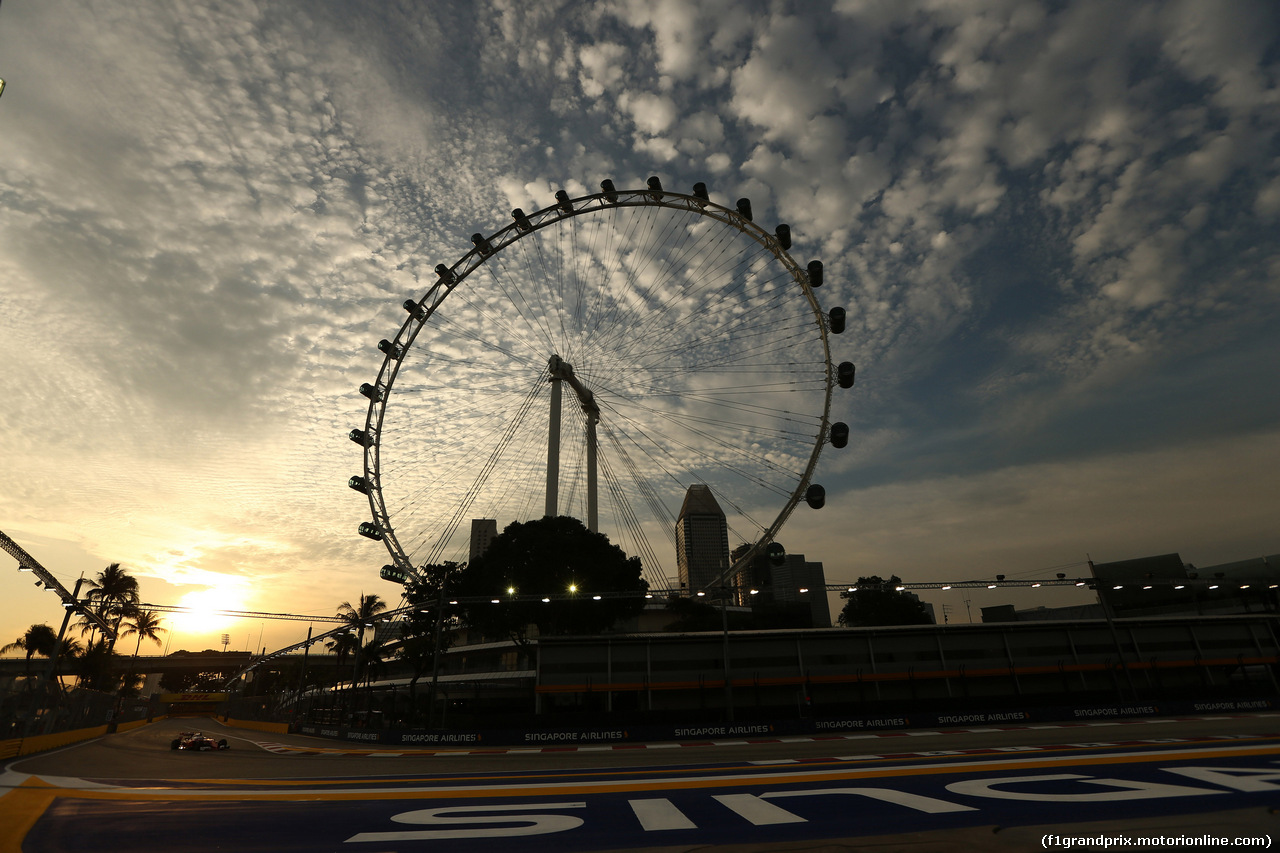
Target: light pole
728, 683
51, 672
435, 653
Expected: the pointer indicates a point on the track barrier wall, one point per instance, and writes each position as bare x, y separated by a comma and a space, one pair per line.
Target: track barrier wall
257, 725
39, 743
1011, 716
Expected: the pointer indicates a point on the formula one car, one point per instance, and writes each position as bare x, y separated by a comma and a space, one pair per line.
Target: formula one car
197, 741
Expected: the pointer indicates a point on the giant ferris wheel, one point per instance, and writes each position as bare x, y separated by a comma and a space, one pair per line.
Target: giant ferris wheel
596, 358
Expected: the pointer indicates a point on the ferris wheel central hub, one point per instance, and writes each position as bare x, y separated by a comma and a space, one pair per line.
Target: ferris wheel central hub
563, 370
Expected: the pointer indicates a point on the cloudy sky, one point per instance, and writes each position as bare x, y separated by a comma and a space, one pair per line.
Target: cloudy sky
1053, 226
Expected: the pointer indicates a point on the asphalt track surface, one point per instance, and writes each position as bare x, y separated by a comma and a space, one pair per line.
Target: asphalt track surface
989, 788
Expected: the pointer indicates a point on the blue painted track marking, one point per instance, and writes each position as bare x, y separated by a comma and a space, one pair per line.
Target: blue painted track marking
691, 806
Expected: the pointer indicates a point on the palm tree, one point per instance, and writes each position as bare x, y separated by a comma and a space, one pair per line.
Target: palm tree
374, 654
113, 595
72, 650
361, 617
36, 640
146, 624
341, 645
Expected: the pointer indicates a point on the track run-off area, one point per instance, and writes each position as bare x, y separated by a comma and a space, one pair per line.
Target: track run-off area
1214, 781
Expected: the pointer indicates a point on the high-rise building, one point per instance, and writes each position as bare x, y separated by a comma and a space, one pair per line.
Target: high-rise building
702, 540
483, 531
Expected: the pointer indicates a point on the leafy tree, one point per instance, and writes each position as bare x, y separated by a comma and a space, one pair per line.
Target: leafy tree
36, 640
97, 668
693, 614
553, 556
877, 602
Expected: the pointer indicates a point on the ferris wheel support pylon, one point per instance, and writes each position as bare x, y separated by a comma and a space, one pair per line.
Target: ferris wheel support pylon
561, 371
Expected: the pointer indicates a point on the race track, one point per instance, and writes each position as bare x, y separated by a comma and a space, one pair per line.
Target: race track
1014, 788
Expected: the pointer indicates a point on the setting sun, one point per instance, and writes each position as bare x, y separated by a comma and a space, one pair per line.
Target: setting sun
205, 606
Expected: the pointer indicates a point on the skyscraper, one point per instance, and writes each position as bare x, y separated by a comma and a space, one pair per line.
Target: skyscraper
483, 531
702, 540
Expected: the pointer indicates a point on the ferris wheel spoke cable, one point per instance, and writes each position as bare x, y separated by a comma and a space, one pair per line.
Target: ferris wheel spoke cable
667, 460
713, 462
657, 508
563, 256
741, 429
483, 334
607, 322
662, 515
654, 569
489, 423
533, 261
465, 506
718, 271
450, 328
635, 285
650, 565
808, 423
658, 334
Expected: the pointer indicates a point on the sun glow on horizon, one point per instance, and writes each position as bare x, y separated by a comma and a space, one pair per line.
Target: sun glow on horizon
204, 616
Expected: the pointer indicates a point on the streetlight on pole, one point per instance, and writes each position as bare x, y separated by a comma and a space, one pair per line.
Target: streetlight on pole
52, 670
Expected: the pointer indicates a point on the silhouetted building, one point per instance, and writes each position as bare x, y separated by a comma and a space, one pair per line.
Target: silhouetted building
798, 581
795, 586
702, 540
1164, 585
483, 531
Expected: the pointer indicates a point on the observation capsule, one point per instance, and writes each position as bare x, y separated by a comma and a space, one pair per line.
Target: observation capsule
700, 191
482, 243
839, 434
390, 348
815, 273
776, 553
415, 309
815, 496
391, 573
844, 374
369, 530
361, 437
360, 484
610, 191
522, 221
446, 274
562, 200
836, 317
744, 208
655, 188
373, 392
783, 233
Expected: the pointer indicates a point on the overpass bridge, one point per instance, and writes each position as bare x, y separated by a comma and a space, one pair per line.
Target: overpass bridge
226, 663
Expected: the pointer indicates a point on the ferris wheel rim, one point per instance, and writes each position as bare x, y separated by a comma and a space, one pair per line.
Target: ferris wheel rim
524, 225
